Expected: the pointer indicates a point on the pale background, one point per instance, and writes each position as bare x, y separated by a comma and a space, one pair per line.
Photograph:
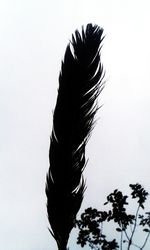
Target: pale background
33, 37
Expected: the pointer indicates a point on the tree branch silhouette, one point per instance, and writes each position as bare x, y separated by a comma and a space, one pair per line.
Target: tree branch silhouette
91, 223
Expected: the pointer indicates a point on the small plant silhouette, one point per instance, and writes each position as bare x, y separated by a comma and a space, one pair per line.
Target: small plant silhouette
91, 223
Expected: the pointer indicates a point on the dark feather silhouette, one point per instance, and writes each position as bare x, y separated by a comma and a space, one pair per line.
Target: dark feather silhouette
80, 83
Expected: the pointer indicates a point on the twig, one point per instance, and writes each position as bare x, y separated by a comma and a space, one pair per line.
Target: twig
130, 240
126, 235
121, 240
136, 245
131, 228
145, 241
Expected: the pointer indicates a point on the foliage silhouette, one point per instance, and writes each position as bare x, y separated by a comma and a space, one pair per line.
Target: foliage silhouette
91, 223
80, 83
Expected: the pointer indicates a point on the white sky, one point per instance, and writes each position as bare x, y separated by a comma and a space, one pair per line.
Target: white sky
33, 37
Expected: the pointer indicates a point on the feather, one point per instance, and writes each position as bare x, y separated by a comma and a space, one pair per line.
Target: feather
80, 82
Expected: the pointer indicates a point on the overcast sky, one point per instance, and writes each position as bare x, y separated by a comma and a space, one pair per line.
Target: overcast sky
33, 37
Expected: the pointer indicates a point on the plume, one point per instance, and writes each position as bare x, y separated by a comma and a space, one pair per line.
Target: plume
80, 82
